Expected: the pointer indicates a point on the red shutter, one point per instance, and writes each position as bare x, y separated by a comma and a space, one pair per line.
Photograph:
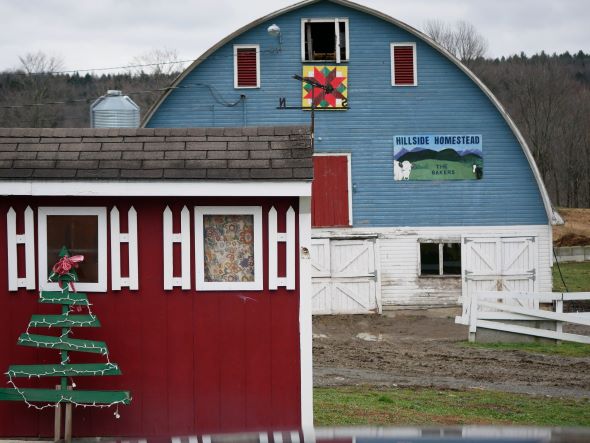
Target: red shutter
247, 72
329, 192
403, 62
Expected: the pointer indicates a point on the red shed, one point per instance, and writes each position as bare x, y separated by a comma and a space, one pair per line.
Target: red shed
196, 245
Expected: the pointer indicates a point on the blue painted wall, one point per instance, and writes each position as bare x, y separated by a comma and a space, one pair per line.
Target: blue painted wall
445, 101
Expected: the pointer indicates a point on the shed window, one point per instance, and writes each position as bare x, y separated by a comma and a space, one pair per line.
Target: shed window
440, 259
403, 64
83, 232
324, 40
229, 248
246, 66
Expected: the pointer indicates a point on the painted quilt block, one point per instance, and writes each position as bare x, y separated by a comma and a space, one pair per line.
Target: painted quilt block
334, 95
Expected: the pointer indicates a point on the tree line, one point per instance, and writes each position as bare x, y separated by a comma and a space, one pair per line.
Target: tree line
548, 97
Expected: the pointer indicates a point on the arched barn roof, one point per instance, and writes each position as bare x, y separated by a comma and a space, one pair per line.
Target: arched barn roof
553, 216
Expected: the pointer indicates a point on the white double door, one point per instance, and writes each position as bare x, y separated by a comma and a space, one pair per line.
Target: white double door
498, 264
344, 276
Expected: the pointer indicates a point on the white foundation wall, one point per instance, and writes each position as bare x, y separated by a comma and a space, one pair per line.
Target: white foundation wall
398, 261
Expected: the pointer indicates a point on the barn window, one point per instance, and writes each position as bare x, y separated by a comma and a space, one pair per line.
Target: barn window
324, 40
331, 191
83, 232
228, 245
403, 64
440, 258
246, 66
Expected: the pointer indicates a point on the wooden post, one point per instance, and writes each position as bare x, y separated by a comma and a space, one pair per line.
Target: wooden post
68, 423
57, 420
473, 317
559, 324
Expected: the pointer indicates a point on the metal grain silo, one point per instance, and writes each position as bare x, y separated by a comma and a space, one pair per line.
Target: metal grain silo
114, 110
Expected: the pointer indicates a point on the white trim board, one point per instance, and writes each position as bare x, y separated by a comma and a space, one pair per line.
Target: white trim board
305, 323
101, 213
201, 284
154, 188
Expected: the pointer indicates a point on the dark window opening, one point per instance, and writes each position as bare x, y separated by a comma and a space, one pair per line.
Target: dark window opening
429, 264
451, 259
440, 259
322, 42
78, 233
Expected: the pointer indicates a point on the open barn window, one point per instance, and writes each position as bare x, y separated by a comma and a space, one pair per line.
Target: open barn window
324, 40
228, 244
83, 232
403, 64
246, 66
440, 259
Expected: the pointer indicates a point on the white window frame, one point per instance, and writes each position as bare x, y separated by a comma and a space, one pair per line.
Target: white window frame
336, 22
202, 285
101, 213
257, 48
348, 156
440, 244
392, 47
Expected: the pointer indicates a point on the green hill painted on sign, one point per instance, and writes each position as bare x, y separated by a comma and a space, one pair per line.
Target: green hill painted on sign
443, 170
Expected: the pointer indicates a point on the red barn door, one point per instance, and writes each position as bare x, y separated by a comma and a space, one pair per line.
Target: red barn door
331, 191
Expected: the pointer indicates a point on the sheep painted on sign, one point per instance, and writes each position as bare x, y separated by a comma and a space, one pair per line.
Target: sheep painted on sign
402, 170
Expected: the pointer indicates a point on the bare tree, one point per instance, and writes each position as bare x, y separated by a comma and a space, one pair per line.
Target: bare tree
40, 63
461, 39
158, 61
34, 81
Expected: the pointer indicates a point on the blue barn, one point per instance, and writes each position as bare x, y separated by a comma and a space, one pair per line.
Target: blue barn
424, 189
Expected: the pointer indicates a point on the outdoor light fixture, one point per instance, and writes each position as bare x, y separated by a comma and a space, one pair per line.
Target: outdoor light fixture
274, 31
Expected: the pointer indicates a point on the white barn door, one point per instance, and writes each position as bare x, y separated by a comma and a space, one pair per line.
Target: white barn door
498, 264
344, 276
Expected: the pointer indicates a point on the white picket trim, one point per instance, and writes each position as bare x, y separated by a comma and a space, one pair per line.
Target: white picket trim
184, 281
130, 237
14, 239
274, 238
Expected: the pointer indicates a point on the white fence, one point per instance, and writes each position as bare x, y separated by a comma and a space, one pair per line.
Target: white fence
567, 254
492, 310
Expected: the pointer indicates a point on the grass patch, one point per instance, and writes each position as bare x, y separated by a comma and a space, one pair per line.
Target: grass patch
576, 276
567, 349
409, 406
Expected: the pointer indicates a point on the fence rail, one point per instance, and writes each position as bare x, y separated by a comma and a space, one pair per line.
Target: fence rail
567, 254
491, 310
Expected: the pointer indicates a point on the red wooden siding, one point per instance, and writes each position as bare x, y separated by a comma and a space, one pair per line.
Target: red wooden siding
330, 193
403, 62
247, 69
194, 361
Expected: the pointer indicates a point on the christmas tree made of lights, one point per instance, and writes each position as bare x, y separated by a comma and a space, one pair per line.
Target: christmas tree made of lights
69, 300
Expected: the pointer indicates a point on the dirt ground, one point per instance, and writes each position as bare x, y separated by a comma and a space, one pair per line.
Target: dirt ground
575, 231
419, 348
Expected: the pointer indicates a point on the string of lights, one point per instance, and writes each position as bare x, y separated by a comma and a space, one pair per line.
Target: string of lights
63, 340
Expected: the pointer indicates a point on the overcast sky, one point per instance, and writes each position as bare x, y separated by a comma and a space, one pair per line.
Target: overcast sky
106, 33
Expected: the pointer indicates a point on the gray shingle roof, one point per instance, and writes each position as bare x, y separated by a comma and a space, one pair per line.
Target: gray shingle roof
272, 153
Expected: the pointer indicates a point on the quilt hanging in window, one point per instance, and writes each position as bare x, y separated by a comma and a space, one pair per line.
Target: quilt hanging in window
229, 248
